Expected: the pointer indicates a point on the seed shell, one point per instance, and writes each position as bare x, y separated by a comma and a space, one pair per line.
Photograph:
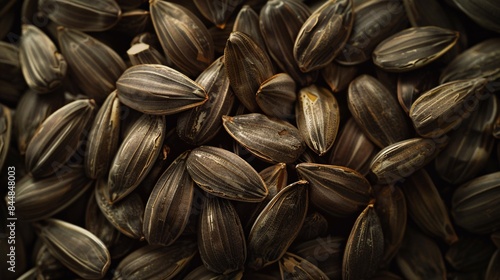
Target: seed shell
276, 96
295, 267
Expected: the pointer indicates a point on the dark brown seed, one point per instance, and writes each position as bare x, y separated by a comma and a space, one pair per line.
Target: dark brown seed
203, 273
220, 36
413, 84
323, 35
493, 270
338, 76
59, 137
221, 239
48, 267
158, 90
142, 53
276, 96
483, 12
495, 237
376, 111
323, 252
224, 174
6, 133
133, 22
298, 268
217, 12
277, 225
169, 205
470, 254
337, 190
269, 139
365, 246
247, 21
315, 225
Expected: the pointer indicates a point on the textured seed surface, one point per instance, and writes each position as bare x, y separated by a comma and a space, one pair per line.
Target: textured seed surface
295, 267
276, 96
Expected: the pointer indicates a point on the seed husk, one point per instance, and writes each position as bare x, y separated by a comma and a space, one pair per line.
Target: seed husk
295, 267
48, 267
201, 124
323, 252
482, 12
433, 120
169, 205
413, 48
376, 111
133, 22
247, 21
365, 246
225, 174
94, 66
323, 35
58, 137
277, 225
426, 208
475, 202
43, 66
318, 118
156, 261
5, 133
338, 76
75, 247
413, 84
135, 156
217, 12
158, 90
276, 96
247, 66
10, 64
470, 254
221, 240
184, 38
272, 140
142, 53
315, 225
337, 190
203, 273
103, 139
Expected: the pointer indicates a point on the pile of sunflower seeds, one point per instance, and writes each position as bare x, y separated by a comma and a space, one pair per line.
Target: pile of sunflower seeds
232, 139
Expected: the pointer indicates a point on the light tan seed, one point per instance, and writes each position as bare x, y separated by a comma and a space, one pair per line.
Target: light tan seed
295, 267
158, 90
272, 140
276, 96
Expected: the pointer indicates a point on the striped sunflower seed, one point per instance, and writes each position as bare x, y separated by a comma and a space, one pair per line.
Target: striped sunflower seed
82, 15
43, 66
133, 22
35, 109
337, 190
470, 254
142, 53
323, 252
58, 137
10, 64
169, 205
318, 118
247, 21
338, 76
483, 12
103, 138
277, 225
315, 225
5, 133
158, 90
201, 124
126, 215
221, 240
295, 267
365, 246
413, 84
376, 111
75, 247
94, 66
442, 108
426, 208
203, 273
276, 96
225, 174
217, 12
373, 22
135, 156
156, 262
247, 66
419, 14
184, 38
48, 267
403, 158
272, 140
37, 199
220, 36
413, 48
475, 202
323, 35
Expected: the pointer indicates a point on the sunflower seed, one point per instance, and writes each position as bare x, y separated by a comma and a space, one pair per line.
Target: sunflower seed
318, 118
156, 262
221, 240
158, 90
413, 48
365, 246
58, 137
338, 76
493, 271
220, 36
483, 13
247, 66
217, 12
276, 96
10, 64
135, 156
295, 267
43, 66
76, 248
413, 84
315, 225
5, 133
403, 158
323, 35
133, 22
169, 205
48, 267
94, 65
470, 254
454, 98
142, 53
184, 38
247, 21
277, 225
495, 237
426, 208
269, 139
203, 273
475, 202
337, 190
201, 124
323, 252
376, 111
